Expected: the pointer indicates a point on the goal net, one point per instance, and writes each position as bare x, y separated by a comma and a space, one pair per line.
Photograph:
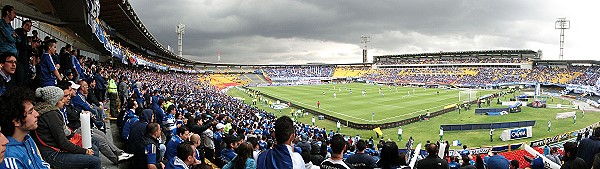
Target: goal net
467, 95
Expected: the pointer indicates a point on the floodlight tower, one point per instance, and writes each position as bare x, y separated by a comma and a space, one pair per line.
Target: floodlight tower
562, 24
180, 29
365, 39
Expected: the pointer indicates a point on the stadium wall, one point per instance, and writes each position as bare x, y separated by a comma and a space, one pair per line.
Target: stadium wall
461, 127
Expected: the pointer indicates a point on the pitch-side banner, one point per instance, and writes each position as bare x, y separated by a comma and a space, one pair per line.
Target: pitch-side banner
516, 133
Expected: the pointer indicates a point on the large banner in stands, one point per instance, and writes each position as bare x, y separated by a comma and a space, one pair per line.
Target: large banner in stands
299, 78
101, 35
516, 133
93, 8
583, 89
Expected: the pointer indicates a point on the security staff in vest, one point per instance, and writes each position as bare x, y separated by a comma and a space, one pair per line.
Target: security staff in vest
112, 95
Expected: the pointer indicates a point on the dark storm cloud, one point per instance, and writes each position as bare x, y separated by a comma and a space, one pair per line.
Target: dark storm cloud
285, 31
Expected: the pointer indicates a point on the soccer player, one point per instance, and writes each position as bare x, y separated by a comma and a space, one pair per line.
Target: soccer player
491, 135
400, 133
313, 120
338, 125
549, 124
334, 95
318, 104
441, 133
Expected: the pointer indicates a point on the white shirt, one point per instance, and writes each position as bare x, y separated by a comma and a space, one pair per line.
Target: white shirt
441, 132
298, 162
313, 119
338, 124
399, 130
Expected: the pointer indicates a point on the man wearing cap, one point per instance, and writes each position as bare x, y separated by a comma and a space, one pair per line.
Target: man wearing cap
304, 144
218, 137
282, 156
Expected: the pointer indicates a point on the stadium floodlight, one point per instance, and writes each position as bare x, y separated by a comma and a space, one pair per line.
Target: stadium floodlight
365, 39
180, 30
562, 24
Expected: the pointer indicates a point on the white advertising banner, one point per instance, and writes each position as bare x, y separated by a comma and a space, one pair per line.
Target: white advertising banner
516, 133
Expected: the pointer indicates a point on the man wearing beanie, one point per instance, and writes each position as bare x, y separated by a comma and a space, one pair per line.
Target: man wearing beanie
52, 135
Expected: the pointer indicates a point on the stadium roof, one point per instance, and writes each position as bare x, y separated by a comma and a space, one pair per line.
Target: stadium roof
463, 54
565, 62
120, 16
64, 15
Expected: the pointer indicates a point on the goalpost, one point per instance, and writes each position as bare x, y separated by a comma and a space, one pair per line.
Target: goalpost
467, 95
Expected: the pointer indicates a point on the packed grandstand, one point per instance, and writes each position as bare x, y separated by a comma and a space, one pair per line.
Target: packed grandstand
152, 109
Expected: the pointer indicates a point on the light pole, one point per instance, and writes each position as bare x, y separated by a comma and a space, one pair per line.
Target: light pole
365, 39
180, 30
562, 24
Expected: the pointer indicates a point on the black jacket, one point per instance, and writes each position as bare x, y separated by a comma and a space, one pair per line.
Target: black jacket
140, 156
73, 118
431, 162
574, 164
52, 131
91, 97
6, 85
195, 128
587, 149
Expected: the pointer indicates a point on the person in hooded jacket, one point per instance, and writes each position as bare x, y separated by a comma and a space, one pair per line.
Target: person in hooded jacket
19, 117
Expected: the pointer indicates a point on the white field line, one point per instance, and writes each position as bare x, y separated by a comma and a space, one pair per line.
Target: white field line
384, 119
342, 114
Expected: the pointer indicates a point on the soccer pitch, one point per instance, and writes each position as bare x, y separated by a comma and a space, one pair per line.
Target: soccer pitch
381, 103
420, 131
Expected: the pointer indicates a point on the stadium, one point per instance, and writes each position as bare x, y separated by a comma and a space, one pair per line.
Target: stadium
108, 94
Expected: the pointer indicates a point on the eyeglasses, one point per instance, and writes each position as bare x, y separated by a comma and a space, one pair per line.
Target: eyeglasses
11, 61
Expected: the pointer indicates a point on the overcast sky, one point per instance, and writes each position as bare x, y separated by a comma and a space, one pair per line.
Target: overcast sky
329, 31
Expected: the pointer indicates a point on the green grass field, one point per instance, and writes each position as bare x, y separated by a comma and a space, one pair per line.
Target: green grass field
393, 107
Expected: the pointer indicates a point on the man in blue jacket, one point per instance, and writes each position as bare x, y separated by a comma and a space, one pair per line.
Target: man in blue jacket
18, 118
182, 135
282, 156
